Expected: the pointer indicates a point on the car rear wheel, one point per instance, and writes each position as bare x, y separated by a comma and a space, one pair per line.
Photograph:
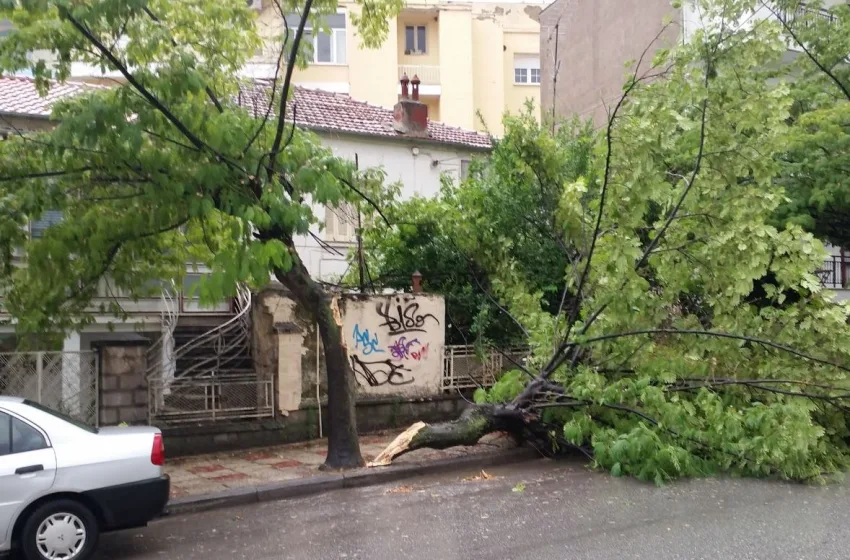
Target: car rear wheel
60, 530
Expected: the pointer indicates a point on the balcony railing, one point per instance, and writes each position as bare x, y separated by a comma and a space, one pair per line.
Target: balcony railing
807, 13
834, 272
428, 75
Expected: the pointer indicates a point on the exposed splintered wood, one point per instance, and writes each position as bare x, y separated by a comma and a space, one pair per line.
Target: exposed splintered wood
398, 446
475, 423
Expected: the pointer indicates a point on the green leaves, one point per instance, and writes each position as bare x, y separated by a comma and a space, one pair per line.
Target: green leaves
161, 173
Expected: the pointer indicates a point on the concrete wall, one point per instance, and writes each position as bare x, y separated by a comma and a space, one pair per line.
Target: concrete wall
516, 95
123, 383
395, 343
456, 99
595, 40
417, 166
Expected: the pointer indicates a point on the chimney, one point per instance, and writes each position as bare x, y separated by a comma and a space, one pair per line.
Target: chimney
410, 115
417, 282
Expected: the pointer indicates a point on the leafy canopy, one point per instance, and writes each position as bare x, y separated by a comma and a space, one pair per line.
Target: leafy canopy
166, 165
694, 336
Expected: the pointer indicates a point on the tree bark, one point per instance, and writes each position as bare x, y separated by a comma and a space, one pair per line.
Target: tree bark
343, 441
475, 423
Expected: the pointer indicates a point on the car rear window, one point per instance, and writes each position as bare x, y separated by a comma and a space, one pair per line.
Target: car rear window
65, 417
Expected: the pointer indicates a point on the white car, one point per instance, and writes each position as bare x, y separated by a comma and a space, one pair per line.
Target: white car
62, 482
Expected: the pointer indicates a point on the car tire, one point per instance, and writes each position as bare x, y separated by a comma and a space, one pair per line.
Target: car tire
65, 526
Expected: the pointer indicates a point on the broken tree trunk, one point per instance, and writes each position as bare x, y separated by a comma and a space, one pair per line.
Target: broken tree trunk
475, 423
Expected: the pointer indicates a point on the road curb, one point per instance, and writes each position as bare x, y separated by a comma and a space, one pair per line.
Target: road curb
357, 479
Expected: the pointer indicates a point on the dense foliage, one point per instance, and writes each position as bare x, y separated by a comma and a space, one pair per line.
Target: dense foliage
817, 159
502, 213
693, 336
165, 167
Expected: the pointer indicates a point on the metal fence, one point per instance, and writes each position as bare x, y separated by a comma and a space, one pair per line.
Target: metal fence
213, 398
804, 11
64, 381
464, 368
833, 273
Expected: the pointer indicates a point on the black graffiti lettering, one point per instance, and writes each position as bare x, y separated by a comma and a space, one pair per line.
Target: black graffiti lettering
376, 374
400, 319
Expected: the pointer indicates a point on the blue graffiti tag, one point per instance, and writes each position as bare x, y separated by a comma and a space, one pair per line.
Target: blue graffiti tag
368, 341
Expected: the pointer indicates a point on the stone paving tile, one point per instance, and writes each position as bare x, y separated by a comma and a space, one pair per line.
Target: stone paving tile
206, 469
216, 472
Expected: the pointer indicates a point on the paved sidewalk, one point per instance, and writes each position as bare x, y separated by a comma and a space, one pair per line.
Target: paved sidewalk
218, 472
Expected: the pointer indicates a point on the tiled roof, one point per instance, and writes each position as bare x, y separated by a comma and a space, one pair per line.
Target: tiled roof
19, 96
338, 112
313, 109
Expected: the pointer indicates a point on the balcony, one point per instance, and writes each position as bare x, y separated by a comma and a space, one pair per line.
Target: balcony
807, 14
834, 272
428, 75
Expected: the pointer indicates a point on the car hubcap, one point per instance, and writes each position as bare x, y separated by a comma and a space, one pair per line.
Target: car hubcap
61, 537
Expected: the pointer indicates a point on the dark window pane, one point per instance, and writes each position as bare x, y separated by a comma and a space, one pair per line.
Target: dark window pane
408, 39
520, 75
323, 51
26, 438
420, 38
535, 75
5, 434
49, 218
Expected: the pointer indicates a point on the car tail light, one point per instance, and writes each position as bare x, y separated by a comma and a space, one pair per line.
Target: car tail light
158, 451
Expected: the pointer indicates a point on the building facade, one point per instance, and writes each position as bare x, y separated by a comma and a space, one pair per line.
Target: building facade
585, 46
475, 60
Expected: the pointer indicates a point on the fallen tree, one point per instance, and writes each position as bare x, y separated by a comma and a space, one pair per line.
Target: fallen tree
691, 337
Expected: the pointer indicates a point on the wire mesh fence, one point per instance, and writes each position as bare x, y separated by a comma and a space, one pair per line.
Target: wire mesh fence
464, 367
63, 381
213, 398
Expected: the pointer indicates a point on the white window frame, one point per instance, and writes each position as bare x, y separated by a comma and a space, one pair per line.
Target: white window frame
335, 34
416, 51
338, 229
529, 63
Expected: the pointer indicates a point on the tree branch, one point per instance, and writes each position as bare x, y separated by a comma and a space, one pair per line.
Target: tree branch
290, 67
831, 75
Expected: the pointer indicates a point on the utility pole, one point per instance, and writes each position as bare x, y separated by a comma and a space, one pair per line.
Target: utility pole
360, 262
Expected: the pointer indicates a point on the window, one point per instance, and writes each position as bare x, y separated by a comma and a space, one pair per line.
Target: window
48, 219
329, 46
59, 415
5, 434
16, 436
464, 168
415, 41
341, 222
526, 69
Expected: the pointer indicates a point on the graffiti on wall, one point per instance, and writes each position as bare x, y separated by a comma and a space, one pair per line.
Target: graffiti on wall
392, 342
400, 319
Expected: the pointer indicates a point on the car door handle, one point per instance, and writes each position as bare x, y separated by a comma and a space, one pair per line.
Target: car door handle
30, 469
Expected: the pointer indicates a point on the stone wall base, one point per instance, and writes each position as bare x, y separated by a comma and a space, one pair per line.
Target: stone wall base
302, 425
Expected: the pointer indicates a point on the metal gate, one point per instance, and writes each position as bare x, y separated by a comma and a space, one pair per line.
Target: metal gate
64, 381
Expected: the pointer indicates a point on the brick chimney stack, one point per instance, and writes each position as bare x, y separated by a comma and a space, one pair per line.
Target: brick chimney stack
410, 115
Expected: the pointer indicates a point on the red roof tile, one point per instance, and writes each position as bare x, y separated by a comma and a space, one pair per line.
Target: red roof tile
314, 109
19, 96
322, 110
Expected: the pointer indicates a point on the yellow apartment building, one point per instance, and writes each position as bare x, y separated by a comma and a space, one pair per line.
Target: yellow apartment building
475, 60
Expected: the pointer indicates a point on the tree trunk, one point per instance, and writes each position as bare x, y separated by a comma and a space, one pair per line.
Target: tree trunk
343, 442
475, 423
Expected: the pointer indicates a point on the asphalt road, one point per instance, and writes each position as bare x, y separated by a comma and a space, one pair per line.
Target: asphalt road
564, 512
